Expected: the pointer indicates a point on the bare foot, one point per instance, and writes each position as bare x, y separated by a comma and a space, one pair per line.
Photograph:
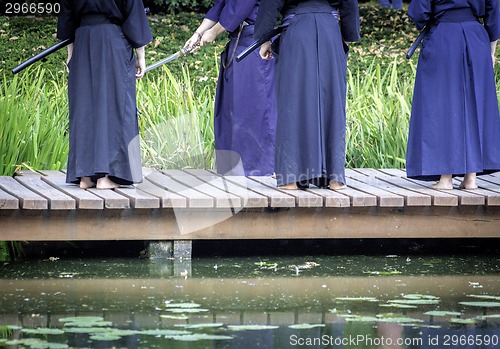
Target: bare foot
469, 181
106, 183
86, 183
334, 185
289, 186
444, 183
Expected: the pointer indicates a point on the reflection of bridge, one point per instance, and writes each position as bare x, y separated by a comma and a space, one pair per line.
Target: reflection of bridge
182, 206
276, 301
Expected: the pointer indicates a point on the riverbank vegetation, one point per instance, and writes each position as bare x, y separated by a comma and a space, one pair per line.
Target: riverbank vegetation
176, 100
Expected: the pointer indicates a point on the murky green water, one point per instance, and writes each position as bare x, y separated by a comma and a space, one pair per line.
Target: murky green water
272, 302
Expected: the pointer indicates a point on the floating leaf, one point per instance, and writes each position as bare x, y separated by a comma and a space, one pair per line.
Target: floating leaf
105, 337
182, 305
419, 296
207, 325
251, 327
357, 318
305, 326
186, 310
463, 321
82, 319
415, 301
357, 299
399, 306
199, 337
400, 320
442, 313
484, 296
43, 331
174, 317
165, 332
481, 304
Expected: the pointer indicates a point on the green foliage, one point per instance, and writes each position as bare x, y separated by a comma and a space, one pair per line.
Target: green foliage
176, 6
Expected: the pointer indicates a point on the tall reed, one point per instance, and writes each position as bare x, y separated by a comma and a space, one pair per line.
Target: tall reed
176, 122
378, 112
33, 115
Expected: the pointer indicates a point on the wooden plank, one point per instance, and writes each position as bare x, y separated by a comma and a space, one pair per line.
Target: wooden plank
28, 199
84, 199
332, 198
384, 197
8, 202
490, 191
195, 199
167, 199
439, 197
396, 185
236, 186
464, 197
302, 198
138, 198
223, 198
57, 200
112, 199
275, 198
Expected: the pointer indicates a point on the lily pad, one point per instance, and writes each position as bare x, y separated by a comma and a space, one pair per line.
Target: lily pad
400, 320
174, 317
104, 337
186, 310
415, 301
43, 331
442, 313
207, 325
199, 337
357, 299
251, 327
182, 305
399, 306
358, 318
463, 321
484, 296
481, 304
165, 332
419, 296
82, 319
305, 326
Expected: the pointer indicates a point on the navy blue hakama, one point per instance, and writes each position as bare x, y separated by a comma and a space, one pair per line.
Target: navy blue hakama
455, 122
103, 126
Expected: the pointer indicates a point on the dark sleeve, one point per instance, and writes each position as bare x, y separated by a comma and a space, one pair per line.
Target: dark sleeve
267, 16
349, 20
66, 23
235, 12
420, 12
214, 13
492, 20
135, 24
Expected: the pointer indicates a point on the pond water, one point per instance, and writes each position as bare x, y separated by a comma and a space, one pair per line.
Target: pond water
389, 301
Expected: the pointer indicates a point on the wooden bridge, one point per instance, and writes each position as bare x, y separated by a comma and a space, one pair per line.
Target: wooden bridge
186, 205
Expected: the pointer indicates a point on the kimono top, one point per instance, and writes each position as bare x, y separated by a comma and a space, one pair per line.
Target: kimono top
272, 9
423, 11
129, 14
231, 13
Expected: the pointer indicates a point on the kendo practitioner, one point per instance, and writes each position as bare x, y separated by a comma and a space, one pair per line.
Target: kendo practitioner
104, 145
245, 101
311, 67
455, 123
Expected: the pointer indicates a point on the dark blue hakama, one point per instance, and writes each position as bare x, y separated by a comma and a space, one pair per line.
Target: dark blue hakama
311, 82
103, 126
245, 104
455, 123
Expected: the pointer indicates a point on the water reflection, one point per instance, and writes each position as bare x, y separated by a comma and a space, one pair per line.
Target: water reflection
309, 302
